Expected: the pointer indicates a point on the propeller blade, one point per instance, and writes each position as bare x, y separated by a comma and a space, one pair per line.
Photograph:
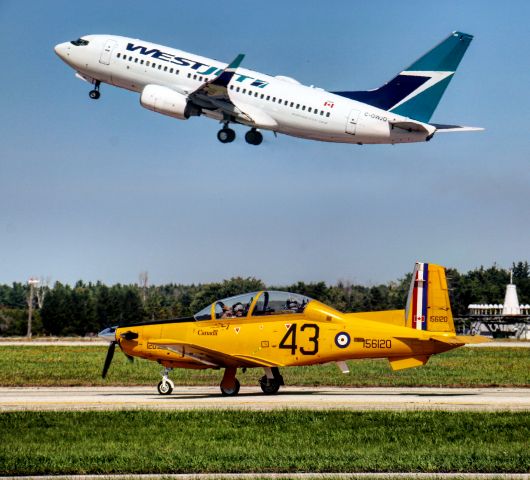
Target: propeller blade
108, 359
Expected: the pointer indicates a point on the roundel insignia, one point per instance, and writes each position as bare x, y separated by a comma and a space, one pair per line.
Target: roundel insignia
342, 339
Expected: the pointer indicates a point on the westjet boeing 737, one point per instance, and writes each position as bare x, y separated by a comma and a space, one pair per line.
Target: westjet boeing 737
183, 85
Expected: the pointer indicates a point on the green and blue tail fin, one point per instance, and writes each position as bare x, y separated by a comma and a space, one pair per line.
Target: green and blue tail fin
416, 91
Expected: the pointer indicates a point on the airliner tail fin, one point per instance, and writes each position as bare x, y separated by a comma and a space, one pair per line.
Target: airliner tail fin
416, 91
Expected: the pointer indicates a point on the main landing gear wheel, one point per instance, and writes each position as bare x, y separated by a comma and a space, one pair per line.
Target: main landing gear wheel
231, 391
269, 386
165, 388
253, 137
94, 94
226, 135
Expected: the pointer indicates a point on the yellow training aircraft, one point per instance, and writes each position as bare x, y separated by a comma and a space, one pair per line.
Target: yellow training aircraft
271, 329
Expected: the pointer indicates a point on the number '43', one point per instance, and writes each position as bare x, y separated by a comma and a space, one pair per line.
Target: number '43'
289, 340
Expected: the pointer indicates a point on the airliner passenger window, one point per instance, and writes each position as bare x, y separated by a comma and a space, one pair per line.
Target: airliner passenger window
147, 63
135, 60
118, 55
309, 109
303, 107
327, 114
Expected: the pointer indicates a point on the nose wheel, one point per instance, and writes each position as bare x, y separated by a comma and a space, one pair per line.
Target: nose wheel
166, 386
253, 137
95, 94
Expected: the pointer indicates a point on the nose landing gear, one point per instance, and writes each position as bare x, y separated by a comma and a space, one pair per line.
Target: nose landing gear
166, 386
95, 94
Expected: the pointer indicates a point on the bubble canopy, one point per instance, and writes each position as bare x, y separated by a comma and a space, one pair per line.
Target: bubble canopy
266, 302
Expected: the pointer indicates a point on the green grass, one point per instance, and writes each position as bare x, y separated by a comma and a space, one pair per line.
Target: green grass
245, 441
76, 366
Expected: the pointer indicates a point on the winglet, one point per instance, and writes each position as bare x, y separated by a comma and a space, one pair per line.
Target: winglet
226, 75
236, 62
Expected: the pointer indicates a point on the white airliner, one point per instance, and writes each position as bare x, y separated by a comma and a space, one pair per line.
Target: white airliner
182, 85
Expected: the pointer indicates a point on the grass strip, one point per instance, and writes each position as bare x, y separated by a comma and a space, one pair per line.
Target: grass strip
245, 441
78, 366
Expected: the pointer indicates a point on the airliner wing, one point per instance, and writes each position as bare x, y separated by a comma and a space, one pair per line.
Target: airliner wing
214, 93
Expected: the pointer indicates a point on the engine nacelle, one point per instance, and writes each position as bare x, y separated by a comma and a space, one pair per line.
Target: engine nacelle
168, 102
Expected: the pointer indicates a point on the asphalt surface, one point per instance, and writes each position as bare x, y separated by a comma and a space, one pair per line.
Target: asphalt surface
251, 398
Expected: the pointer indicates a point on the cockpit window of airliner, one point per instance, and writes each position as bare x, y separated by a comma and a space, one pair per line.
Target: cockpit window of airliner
79, 42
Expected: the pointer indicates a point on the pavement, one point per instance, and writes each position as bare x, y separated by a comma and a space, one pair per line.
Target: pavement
251, 398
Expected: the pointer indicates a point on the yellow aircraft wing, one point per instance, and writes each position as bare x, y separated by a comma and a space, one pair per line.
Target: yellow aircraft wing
212, 358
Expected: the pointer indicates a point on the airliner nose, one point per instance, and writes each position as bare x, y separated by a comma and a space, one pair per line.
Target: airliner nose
61, 50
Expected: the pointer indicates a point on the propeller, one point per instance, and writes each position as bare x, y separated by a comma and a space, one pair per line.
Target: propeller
108, 358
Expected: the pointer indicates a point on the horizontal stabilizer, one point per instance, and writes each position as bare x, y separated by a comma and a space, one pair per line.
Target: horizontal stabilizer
413, 126
440, 128
461, 339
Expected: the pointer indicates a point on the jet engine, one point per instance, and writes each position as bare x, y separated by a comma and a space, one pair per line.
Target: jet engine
168, 102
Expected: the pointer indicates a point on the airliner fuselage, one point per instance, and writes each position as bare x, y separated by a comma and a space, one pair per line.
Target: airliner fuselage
181, 85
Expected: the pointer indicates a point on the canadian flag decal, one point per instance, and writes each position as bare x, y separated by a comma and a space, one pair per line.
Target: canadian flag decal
329, 104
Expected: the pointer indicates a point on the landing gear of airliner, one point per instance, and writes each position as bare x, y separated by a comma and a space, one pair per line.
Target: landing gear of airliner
230, 384
94, 94
271, 382
166, 386
254, 137
226, 135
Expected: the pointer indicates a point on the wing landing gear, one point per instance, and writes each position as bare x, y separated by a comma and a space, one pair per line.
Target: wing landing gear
230, 384
271, 382
95, 94
254, 137
166, 386
226, 135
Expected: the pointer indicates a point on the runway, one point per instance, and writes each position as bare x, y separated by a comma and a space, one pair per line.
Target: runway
251, 398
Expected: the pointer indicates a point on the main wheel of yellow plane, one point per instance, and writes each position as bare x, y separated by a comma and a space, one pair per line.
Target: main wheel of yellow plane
165, 388
269, 386
230, 392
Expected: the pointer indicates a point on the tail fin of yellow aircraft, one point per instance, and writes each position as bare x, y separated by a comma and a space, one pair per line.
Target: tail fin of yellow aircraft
428, 306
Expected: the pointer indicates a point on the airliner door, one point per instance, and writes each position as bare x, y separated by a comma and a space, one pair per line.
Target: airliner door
351, 123
110, 45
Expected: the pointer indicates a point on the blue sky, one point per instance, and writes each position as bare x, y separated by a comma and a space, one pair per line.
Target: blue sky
104, 190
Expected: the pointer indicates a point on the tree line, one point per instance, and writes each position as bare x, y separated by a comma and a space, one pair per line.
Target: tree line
86, 308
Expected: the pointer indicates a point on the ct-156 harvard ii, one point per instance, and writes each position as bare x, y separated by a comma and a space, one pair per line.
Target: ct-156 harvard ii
272, 329
182, 85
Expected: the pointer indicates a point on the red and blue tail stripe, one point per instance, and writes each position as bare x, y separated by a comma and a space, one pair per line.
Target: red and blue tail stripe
420, 297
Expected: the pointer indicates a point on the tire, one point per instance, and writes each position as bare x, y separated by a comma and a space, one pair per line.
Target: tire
94, 94
253, 137
226, 135
231, 392
269, 386
165, 389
